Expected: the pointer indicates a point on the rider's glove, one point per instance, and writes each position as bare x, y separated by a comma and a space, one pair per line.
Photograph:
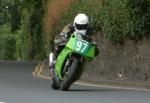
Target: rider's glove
60, 40
96, 51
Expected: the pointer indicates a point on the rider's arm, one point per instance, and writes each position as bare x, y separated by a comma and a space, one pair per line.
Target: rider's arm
93, 40
61, 38
64, 35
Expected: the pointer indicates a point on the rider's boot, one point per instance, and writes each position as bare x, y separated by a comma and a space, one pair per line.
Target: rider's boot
52, 64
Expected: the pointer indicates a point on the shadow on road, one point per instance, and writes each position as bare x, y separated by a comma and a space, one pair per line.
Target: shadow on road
95, 90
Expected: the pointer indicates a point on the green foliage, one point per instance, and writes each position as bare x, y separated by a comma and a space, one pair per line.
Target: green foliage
25, 20
23, 38
7, 45
115, 19
90, 7
10, 43
29, 36
15, 17
139, 11
118, 19
1, 47
125, 18
35, 29
4, 12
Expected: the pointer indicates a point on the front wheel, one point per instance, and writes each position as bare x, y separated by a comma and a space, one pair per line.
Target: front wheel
71, 75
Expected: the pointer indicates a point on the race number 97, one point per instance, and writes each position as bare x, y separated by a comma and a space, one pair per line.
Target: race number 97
81, 46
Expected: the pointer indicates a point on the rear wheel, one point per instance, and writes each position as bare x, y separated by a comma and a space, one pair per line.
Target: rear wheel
55, 81
70, 76
54, 85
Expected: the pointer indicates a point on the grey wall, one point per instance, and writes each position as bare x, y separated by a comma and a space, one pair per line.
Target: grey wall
128, 62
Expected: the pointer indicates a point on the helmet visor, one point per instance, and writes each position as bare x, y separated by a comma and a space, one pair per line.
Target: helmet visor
81, 26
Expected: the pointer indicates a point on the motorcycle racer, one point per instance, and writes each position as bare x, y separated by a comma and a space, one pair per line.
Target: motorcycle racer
80, 25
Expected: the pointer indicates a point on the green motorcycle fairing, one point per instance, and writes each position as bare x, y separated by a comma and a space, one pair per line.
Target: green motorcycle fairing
75, 45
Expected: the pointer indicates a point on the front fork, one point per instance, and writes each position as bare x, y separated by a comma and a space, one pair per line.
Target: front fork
66, 67
69, 61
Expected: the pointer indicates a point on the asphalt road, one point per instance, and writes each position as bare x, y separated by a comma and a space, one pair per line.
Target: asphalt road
18, 85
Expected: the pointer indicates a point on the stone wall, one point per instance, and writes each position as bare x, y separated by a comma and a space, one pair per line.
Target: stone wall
127, 62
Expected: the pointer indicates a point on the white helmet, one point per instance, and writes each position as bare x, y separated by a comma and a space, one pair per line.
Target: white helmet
81, 22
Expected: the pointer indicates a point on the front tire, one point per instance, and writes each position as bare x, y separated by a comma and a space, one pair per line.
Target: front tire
71, 76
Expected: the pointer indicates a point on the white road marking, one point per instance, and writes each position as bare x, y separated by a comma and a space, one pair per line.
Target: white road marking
39, 70
112, 87
2, 102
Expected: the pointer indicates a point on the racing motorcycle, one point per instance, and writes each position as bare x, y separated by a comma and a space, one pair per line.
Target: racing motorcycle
71, 60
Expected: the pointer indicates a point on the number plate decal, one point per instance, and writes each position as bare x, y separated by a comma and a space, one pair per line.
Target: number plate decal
82, 46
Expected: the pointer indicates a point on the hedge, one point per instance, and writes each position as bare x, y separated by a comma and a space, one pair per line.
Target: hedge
117, 19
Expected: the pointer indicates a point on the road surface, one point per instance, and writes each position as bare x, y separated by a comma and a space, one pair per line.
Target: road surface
18, 85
